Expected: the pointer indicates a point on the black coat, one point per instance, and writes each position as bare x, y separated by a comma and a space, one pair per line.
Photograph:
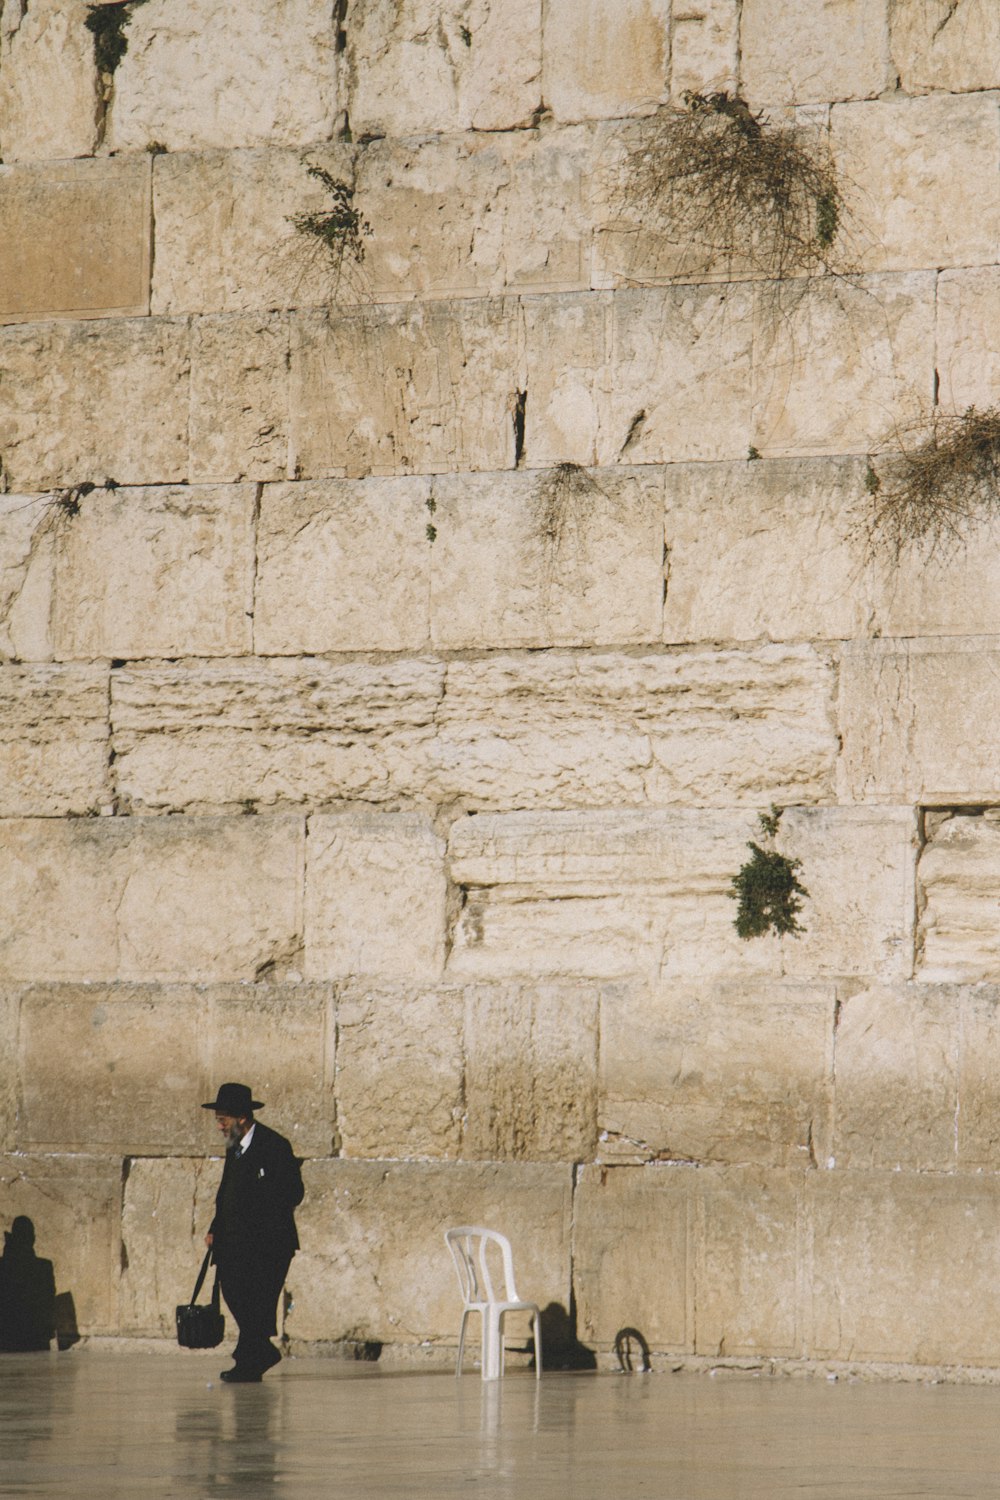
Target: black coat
254, 1207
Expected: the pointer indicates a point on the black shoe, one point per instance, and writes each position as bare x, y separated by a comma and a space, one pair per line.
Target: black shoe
240, 1375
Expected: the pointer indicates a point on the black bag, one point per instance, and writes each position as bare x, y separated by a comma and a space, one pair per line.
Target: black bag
201, 1327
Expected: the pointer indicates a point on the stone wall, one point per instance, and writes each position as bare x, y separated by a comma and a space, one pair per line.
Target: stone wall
355, 745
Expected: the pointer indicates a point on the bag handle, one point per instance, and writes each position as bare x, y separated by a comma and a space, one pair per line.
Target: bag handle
201, 1278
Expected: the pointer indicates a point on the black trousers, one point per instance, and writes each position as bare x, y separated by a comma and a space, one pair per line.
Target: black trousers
251, 1287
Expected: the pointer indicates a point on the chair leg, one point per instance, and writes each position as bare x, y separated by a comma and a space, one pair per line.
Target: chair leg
535, 1323
492, 1345
461, 1341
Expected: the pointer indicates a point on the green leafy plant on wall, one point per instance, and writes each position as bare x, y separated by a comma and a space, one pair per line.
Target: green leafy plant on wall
735, 191
767, 888
938, 482
338, 230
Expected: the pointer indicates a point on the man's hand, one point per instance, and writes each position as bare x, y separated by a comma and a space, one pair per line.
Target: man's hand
208, 1240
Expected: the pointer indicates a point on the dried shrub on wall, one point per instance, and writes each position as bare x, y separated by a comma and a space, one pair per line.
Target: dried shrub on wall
106, 24
734, 191
767, 888
339, 230
942, 479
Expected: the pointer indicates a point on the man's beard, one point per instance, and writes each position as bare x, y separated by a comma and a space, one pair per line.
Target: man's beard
233, 1135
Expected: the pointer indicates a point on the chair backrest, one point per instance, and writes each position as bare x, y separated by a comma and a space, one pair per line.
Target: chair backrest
469, 1246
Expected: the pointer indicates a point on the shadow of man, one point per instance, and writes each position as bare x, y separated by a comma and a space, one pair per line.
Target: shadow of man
561, 1349
27, 1292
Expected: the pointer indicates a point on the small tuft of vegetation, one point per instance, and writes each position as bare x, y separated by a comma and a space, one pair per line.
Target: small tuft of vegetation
735, 190
767, 887
561, 494
941, 480
107, 24
340, 229
69, 499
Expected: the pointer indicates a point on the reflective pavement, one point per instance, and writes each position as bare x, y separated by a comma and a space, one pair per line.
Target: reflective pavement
95, 1423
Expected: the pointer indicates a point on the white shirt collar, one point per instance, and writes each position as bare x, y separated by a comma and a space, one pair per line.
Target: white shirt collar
245, 1142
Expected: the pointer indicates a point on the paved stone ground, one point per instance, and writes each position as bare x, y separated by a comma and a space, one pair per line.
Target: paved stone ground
91, 1423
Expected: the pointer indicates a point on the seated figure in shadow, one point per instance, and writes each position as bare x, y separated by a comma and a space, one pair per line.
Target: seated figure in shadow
27, 1292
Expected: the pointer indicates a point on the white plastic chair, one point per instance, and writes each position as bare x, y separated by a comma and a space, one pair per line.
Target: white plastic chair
469, 1246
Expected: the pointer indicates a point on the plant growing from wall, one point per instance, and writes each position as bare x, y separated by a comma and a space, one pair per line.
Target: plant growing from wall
107, 24
563, 495
339, 230
941, 479
731, 188
767, 888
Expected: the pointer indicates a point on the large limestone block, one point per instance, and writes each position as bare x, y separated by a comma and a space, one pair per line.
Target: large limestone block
978, 1134
916, 718
396, 389
28, 527
968, 320
904, 1267
652, 376
959, 880
53, 740
605, 58
205, 73
737, 532
239, 398
373, 1263
945, 44
167, 1208
47, 54
703, 727
114, 394
954, 592
720, 1073
748, 1256
837, 361
919, 180
225, 241
897, 1070
137, 899
418, 67
804, 52
343, 565
634, 1254
530, 1072
375, 896
400, 1071
205, 735
155, 572
475, 214
74, 1204
50, 267
562, 557
704, 48
611, 894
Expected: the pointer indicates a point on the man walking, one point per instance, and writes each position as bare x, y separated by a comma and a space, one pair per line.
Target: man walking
252, 1236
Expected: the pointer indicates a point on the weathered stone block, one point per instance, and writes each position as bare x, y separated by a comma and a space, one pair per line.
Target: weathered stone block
704, 48
939, 44
956, 592
373, 1263
10, 1012
46, 53
884, 1282
834, 359
721, 1073
897, 1064
48, 266
421, 67
978, 1133
92, 400
911, 170
239, 398
168, 1206
736, 533
343, 565
530, 1072
959, 877
632, 892
801, 52
27, 535
205, 74
224, 734
746, 1271
916, 718
633, 1254
375, 897
604, 58
400, 1077
136, 899
396, 390
53, 740
74, 1204
564, 557
155, 572
968, 318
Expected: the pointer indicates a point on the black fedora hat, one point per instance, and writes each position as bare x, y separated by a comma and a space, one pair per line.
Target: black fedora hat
234, 1099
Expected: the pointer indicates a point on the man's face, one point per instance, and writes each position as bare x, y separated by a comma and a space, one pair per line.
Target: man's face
232, 1127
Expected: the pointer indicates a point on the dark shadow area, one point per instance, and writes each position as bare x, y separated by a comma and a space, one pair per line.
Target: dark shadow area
561, 1349
27, 1292
67, 1331
632, 1351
